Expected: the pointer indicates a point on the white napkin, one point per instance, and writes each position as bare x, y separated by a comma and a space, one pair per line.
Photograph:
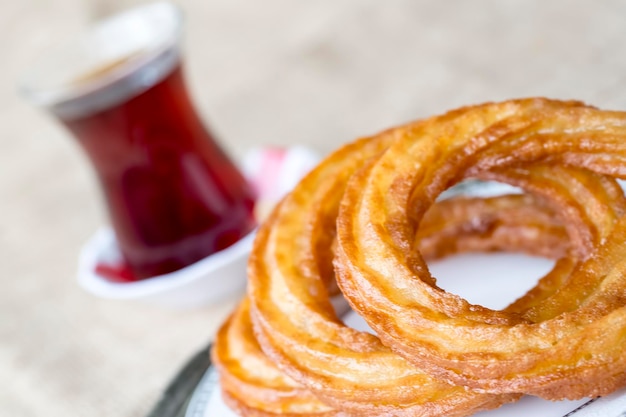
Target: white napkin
273, 172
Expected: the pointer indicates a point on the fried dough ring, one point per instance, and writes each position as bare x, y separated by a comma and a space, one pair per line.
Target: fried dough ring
293, 319
566, 343
291, 263
253, 385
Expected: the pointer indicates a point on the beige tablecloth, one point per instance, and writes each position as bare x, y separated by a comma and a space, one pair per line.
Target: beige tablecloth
282, 72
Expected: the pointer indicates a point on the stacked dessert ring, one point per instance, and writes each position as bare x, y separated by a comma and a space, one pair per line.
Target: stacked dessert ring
369, 217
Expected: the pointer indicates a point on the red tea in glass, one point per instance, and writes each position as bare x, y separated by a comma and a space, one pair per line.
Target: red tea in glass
172, 195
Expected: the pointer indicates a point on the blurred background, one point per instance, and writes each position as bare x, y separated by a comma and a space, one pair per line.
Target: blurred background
276, 72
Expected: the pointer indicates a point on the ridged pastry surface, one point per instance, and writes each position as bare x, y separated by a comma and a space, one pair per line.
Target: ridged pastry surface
368, 219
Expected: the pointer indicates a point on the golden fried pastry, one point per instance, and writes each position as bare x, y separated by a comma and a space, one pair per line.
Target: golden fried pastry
568, 343
434, 353
254, 386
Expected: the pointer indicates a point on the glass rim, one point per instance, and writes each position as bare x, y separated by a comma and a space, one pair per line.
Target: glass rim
120, 68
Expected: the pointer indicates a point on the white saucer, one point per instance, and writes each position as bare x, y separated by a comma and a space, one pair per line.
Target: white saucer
205, 282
